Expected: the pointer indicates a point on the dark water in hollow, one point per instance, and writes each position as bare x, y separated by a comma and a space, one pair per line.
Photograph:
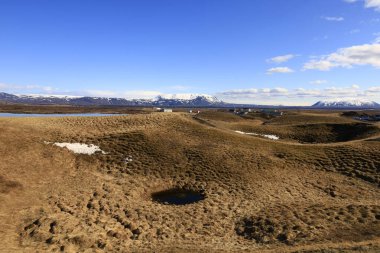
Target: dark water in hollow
178, 197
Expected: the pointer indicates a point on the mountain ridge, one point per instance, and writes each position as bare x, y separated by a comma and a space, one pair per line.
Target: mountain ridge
346, 103
172, 100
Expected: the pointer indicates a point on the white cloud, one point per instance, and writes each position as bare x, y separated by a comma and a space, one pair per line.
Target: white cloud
355, 86
336, 19
279, 90
318, 82
253, 93
367, 54
272, 95
323, 65
367, 3
351, 91
301, 92
373, 4
377, 39
353, 31
281, 58
29, 87
132, 94
279, 70
374, 89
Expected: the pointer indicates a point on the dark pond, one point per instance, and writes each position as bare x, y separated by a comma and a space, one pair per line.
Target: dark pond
178, 196
23, 115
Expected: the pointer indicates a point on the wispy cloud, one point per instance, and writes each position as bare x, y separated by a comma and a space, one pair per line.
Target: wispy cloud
253, 93
281, 58
273, 94
367, 3
283, 70
333, 91
318, 82
336, 19
353, 31
28, 87
302, 92
377, 39
374, 89
373, 4
367, 54
131, 94
179, 87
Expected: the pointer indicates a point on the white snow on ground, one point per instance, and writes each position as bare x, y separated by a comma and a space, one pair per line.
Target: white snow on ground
128, 159
79, 148
269, 136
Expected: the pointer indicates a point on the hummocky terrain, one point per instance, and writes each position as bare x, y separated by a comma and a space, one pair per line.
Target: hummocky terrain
180, 182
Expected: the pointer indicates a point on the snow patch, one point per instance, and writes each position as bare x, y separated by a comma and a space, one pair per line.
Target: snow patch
269, 136
128, 159
79, 148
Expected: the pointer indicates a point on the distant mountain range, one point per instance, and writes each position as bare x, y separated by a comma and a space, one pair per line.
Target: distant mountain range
172, 100
180, 100
346, 103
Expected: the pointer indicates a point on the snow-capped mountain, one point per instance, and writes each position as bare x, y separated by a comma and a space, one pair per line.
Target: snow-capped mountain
47, 96
187, 100
188, 96
173, 100
347, 103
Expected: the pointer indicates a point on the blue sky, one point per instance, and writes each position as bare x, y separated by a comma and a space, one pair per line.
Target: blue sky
265, 51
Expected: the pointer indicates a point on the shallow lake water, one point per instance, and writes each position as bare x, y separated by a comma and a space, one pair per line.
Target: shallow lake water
24, 115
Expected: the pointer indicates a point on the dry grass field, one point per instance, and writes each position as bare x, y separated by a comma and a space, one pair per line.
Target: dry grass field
46, 109
316, 189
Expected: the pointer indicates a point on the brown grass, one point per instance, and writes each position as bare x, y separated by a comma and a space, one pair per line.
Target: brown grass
44, 109
261, 195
